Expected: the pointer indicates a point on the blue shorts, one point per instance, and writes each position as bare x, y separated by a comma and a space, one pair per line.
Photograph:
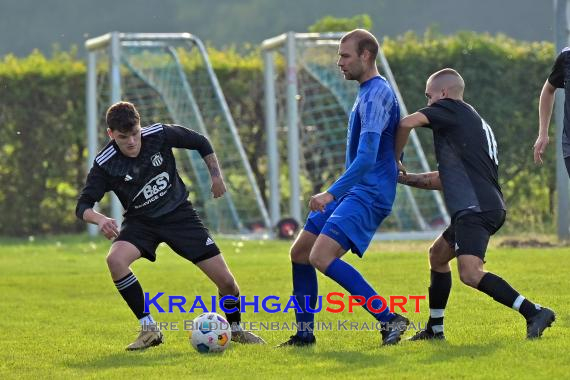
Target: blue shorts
351, 222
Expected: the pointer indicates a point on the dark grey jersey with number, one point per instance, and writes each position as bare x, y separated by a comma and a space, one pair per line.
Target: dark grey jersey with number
147, 185
467, 160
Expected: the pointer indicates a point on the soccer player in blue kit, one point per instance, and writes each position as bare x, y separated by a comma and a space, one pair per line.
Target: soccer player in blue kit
346, 216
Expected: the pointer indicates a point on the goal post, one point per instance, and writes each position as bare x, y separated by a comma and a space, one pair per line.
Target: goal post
168, 76
307, 104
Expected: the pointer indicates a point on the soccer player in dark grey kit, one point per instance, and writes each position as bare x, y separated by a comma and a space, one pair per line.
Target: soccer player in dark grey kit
466, 153
139, 166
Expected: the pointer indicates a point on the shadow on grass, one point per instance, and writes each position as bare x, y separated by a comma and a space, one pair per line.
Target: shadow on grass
362, 359
445, 351
128, 359
436, 351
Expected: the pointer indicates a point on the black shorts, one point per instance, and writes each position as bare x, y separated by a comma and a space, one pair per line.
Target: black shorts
469, 232
181, 229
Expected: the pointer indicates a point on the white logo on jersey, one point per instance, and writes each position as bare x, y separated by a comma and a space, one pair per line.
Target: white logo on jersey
156, 159
209, 241
456, 247
128, 178
154, 186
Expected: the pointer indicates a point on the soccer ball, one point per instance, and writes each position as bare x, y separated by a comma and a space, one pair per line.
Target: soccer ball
210, 333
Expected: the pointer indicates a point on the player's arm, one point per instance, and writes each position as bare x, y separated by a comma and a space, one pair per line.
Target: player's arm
374, 116
555, 80
107, 226
95, 188
544, 114
426, 181
218, 185
365, 158
368, 144
180, 137
415, 120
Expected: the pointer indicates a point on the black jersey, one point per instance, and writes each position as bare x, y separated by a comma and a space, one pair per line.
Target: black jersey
147, 185
466, 153
560, 78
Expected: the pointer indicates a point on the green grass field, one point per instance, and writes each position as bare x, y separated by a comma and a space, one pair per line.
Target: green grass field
61, 316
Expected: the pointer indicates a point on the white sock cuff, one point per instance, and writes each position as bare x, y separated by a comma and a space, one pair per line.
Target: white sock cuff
147, 320
518, 302
437, 329
126, 282
436, 313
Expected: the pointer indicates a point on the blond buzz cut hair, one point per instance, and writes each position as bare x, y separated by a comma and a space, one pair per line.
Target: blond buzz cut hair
449, 79
364, 41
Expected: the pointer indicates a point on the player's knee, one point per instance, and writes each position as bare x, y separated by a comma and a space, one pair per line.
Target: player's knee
470, 276
432, 254
299, 254
228, 285
319, 261
436, 259
314, 260
115, 262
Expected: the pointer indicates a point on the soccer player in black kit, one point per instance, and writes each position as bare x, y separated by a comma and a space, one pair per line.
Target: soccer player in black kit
139, 166
466, 153
558, 78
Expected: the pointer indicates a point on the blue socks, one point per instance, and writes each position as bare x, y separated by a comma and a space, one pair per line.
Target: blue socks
351, 280
305, 284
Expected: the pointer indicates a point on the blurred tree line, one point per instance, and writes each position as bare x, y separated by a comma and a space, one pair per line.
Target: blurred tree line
43, 137
229, 22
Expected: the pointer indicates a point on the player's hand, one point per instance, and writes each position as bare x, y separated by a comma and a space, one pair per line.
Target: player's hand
319, 201
402, 178
401, 168
108, 227
218, 187
402, 173
539, 148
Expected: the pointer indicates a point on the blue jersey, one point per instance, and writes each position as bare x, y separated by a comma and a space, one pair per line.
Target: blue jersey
365, 192
371, 170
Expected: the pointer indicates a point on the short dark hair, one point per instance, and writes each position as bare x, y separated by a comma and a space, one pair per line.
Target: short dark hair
364, 41
122, 117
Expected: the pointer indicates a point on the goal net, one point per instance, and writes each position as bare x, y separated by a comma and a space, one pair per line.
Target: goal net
307, 105
170, 80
